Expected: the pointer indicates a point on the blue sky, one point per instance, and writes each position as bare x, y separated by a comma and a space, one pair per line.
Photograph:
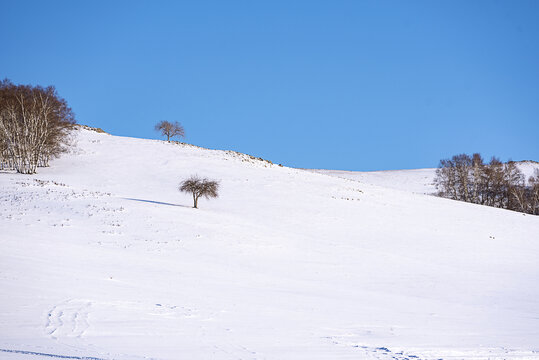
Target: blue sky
356, 85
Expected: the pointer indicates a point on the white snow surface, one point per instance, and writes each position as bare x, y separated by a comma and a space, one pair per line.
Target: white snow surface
102, 258
419, 181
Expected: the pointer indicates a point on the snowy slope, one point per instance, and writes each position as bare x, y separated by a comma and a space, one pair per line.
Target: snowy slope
528, 167
419, 181
101, 257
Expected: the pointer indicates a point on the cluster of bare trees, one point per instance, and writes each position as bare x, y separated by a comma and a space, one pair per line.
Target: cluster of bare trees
34, 126
469, 178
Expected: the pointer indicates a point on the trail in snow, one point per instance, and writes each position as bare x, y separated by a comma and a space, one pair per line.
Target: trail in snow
69, 318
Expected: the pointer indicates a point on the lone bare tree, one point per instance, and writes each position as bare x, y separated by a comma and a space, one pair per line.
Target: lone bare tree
200, 187
170, 130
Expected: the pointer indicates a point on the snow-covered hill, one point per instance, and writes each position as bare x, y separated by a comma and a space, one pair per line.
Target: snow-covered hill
419, 181
102, 258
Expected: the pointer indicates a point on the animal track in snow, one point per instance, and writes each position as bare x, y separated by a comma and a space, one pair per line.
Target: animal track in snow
68, 319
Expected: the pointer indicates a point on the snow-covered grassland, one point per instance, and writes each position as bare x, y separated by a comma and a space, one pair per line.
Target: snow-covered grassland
102, 258
419, 181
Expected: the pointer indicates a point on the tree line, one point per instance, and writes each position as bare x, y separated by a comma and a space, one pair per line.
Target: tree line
34, 126
502, 185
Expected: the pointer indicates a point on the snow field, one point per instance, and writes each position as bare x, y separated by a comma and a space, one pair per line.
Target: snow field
102, 257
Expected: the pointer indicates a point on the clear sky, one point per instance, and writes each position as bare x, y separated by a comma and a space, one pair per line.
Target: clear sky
356, 85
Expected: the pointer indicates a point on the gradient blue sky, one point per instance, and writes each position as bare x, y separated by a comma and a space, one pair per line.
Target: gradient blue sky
356, 85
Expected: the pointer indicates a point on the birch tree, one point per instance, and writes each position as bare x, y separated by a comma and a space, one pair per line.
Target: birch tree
495, 184
34, 124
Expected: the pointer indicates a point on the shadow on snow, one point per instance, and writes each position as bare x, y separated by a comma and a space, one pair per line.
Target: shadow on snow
50, 355
157, 202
